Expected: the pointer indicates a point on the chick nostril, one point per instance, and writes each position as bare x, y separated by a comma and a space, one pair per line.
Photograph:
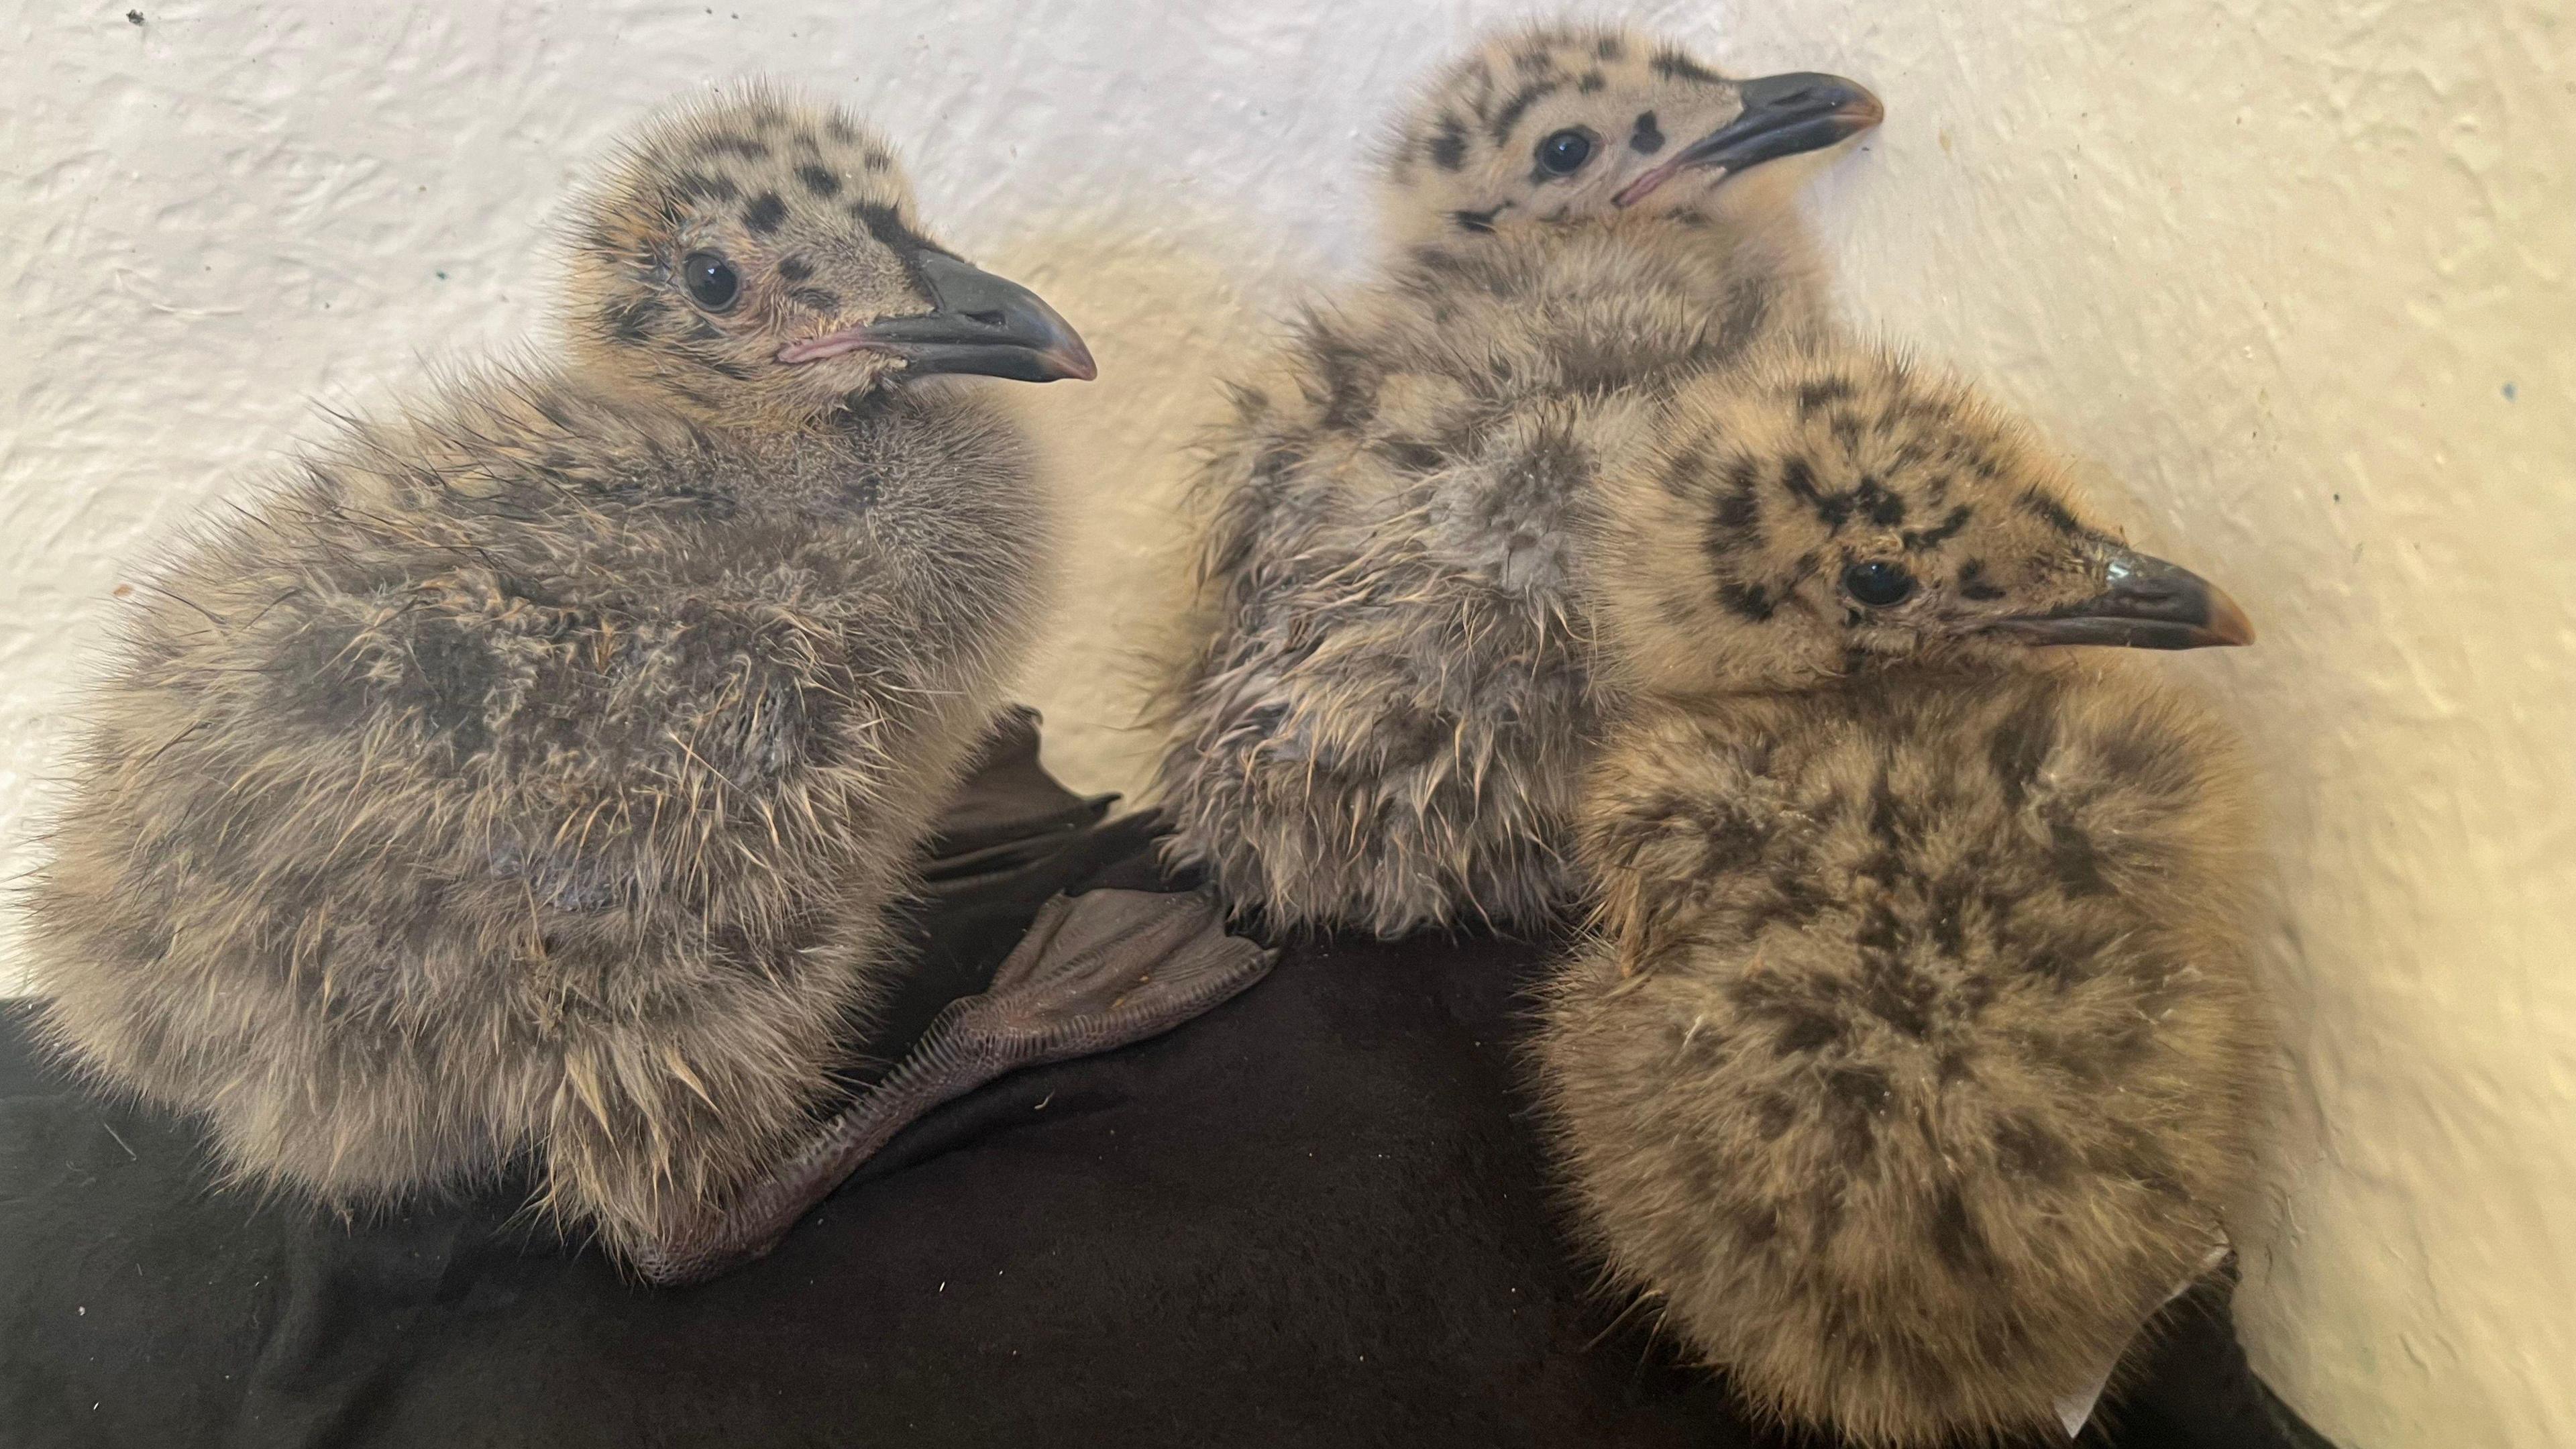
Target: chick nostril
983, 319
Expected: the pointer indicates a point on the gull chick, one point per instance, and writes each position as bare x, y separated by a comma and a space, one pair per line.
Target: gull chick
1916, 1064
526, 775
1387, 698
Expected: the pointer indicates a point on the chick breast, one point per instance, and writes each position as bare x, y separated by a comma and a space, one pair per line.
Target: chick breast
1920, 1065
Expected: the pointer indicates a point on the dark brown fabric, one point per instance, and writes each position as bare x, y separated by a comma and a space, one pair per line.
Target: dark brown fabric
1095, 972
1316, 1215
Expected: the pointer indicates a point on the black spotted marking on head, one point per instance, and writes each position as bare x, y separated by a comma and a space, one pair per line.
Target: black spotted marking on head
1610, 47
1832, 509
1877, 504
699, 186
632, 322
795, 269
1740, 513
1917, 540
1534, 62
1814, 397
816, 299
1681, 471
1647, 138
1592, 82
1750, 602
1744, 473
876, 160
741, 146
1973, 583
1675, 66
1477, 221
840, 130
819, 180
1448, 148
887, 225
2041, 506
766, 212
1500, 128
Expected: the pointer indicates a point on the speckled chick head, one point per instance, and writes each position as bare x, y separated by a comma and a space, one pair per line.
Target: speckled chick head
759, 259
1574, 123
1828, 508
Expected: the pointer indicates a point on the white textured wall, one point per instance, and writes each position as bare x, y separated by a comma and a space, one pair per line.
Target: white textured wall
2292, 275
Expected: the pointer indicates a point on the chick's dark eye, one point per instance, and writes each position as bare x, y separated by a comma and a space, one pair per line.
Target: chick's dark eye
710, 280
1565, 152
1878, 583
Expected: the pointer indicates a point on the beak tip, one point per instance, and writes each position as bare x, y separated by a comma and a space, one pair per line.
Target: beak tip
2228, 625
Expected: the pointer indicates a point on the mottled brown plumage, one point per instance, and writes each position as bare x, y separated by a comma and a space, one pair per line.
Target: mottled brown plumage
526, 775
1387, 696
1916, 1061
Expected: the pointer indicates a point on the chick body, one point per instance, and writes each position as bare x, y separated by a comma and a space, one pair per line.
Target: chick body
528, 775
1389, 695
1919, 1059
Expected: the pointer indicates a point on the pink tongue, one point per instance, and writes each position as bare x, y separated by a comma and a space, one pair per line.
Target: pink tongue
1636, 191
815, 349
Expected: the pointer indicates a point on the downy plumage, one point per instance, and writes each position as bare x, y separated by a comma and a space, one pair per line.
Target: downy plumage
1388, 697
1916, 1061
527, 774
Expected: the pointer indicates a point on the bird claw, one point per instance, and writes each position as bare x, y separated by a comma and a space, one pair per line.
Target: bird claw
1094, 972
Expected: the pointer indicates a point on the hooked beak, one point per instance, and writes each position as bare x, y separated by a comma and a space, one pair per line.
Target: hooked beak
978, 323
1783, 115
2145, 603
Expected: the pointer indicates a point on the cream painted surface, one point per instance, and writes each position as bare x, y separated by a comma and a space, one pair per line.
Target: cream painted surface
2293, 276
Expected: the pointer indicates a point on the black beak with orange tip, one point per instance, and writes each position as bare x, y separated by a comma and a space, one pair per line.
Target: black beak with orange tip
2145, 603
1783, 115
978, 324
